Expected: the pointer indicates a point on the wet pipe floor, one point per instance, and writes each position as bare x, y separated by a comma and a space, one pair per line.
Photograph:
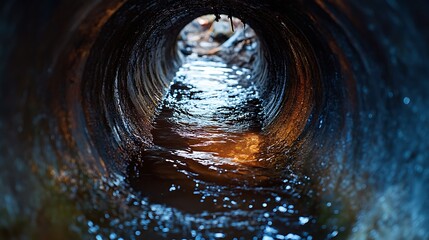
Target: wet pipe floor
208, 161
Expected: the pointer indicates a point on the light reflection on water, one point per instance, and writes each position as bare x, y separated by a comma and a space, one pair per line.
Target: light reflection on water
207, 162
202, 109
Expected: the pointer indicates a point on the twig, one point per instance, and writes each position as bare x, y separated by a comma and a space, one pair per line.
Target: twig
232, 24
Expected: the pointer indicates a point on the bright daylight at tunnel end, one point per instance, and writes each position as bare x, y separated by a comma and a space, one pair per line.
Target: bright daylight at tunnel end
214, 119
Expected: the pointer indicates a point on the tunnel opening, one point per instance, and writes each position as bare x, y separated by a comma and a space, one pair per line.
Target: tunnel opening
219, 35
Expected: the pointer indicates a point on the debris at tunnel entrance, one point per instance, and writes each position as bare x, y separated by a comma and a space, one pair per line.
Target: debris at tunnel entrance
227, 37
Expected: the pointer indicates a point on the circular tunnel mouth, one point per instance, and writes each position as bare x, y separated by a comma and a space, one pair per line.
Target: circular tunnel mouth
136, 79
219, 35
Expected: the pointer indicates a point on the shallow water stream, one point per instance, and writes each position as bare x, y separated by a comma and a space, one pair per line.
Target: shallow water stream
208, 160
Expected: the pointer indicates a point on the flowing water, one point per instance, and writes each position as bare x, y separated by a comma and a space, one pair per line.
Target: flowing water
208, 161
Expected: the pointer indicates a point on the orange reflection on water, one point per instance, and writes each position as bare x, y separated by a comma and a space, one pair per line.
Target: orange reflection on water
242, 148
